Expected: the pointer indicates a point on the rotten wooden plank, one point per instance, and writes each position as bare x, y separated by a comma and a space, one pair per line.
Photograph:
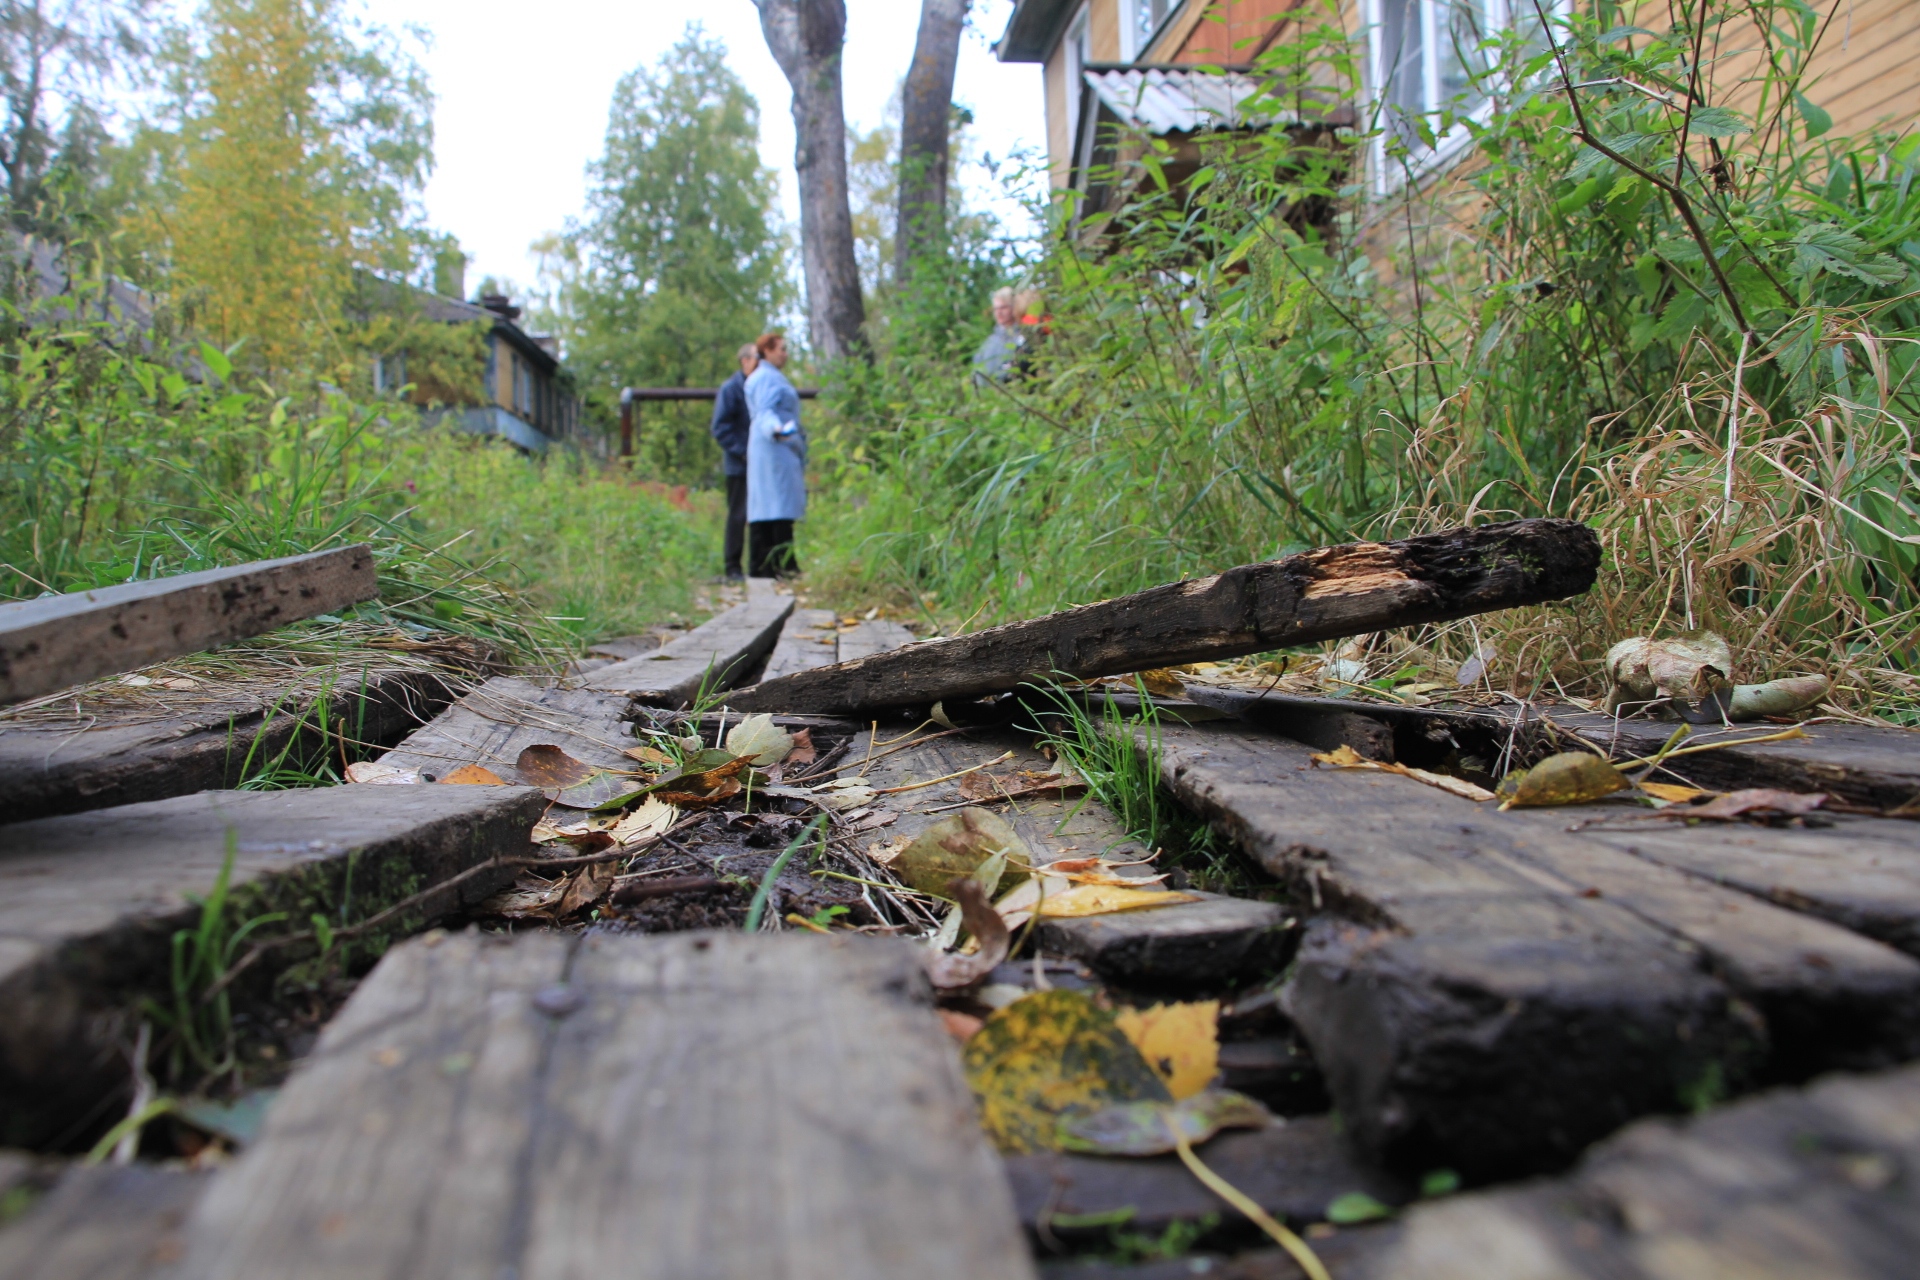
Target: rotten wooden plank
59, 641
99, 762
550, 1106
1293, 1169
1208, 943
89, 904
493, 724
102, 1222
709, 658
1813, 1182
1316, 595
1486, 991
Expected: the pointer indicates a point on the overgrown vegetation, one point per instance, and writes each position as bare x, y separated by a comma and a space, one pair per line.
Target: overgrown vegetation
1682, 311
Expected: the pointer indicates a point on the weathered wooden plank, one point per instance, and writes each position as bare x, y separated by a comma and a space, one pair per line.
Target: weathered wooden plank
868, 637
1211, 941
58, 641
711, 656
1814, 1182
89, 904
1317, 595
104, 1222
807, 641
1293, 1169
686, 1105
1485, 991
493, 724
98, 762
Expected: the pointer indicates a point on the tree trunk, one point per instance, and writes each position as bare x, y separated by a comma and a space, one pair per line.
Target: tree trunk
805, 37
926, 110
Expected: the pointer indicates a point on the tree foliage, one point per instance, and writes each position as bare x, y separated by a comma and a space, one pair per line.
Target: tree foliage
680, 259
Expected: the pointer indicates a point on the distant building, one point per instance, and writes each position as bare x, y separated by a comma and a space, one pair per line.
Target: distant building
526, 394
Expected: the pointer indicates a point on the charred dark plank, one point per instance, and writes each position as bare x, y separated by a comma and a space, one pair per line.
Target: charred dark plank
58, 641
1813, 1182
1488, 992
694, 1104
1335, 591
1212, 941
89, 904
97, 763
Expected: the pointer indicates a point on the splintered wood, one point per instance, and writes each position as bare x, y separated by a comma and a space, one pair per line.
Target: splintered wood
549, 1107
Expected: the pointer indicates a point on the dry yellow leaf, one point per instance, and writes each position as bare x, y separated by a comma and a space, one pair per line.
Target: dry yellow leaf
1162, 683
1181, 1042
1572, 777
1672, 792
1345, 757
1100, 899
1050, 1056
474, 775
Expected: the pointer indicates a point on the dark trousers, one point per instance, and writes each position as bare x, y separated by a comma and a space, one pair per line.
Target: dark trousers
770, 549
736, 523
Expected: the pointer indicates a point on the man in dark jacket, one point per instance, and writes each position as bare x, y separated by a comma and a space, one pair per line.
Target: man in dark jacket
730, 423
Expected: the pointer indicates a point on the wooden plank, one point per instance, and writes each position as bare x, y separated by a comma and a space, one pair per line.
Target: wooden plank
89, 904
99, 761
1317, 595
58, 641
1293, 1169
866, 638
102, 1222
1209, 942
493, 724
546, 1106
807, 641
1813, 1182
1485, 991
711, 656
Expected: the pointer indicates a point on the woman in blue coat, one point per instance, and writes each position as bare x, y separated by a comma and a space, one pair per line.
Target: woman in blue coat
776, 464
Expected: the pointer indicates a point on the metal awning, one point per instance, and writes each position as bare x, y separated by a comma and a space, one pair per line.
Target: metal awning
1163, 100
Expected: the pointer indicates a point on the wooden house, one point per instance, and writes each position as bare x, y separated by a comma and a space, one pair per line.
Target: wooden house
522, 394
1178, 69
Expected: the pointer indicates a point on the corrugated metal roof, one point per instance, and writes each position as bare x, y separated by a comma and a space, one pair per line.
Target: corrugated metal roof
1163, 100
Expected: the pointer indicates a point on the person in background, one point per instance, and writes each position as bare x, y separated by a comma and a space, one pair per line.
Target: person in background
994, 360
776, 464
731, 421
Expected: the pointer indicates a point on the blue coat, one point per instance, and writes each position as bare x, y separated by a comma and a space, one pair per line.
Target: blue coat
776, 449
730, 422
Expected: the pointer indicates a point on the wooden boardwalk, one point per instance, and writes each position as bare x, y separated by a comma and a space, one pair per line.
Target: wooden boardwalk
1496, 994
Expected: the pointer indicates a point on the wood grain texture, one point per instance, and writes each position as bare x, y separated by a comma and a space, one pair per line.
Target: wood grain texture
58, 641
808, 640
104, 1222
1800, 1183
100, 762
1488, 992
89, 903
1293, 1169
1209, 942
688, 1105
714, 655
493, 724
1316, 595
866, 638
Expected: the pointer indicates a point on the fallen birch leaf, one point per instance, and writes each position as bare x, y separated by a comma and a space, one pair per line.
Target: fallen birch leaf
372, 774
1757, 802
473, 775
1181, 1042
1572, 777
648, 755
949, 970
1473, 669
1345, 757
759, 740
1050, 1056
587, 886
842, 793
1162, 683
1105, 899
528, 897
1148, 1128
1016, 906
1672, 792
803, 751
959, 846
724, 789
652, 818
551, 768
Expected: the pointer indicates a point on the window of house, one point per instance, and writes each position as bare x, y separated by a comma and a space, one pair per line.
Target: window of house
1139, 21
1425, 58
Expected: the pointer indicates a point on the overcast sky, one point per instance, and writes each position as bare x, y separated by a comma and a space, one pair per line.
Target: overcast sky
523, 92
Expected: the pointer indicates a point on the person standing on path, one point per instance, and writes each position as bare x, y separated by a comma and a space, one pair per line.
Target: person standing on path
776, 464
731, 422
